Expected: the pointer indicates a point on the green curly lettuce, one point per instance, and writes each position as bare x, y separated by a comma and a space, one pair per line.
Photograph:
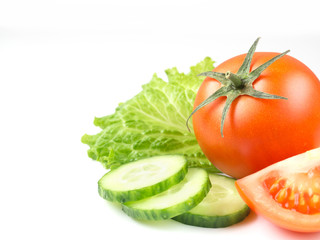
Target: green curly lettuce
152, 123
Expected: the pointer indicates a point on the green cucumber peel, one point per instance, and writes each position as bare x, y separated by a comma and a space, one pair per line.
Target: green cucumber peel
143, 178
222, 207
175, 201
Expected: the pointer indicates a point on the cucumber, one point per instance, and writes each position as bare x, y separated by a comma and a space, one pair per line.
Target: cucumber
143, 178
222, 206
176, 200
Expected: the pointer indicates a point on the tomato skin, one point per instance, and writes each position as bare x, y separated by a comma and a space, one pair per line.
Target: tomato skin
260, 132
259, 198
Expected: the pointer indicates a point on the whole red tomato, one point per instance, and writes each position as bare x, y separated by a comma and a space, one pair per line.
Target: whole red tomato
259, 132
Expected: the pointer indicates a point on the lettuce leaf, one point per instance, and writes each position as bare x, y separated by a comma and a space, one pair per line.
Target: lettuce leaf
152, 123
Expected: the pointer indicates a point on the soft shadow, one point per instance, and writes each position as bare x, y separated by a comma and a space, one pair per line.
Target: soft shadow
172, 224
114, 205
248, 220
287, 234
159, 224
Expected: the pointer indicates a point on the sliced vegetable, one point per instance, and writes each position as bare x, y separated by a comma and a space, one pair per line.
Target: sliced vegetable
222, 207
176, 200
287, 193
152, 123
144, 178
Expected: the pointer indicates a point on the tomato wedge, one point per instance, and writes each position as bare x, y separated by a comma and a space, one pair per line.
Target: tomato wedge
287, 193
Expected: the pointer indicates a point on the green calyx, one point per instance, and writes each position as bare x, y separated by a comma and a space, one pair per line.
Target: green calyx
235, 85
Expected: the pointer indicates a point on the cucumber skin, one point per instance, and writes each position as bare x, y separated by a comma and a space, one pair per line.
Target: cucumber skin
213, 221
170, 212
138, 194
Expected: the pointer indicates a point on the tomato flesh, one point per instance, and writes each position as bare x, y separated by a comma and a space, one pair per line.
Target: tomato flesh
299, 192
286, 193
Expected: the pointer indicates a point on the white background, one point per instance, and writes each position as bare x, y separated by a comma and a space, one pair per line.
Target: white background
63, 62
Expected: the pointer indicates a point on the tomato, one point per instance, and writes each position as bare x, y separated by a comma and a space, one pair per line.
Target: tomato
287, 193
260, 132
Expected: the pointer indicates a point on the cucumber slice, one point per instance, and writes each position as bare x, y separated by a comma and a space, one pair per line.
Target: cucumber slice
143, 178
222, 206
176, 200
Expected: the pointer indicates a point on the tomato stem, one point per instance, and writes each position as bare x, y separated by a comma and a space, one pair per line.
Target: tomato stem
235, 85
235, 79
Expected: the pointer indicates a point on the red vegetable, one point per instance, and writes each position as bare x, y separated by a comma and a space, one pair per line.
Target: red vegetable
287, 193
271, 113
